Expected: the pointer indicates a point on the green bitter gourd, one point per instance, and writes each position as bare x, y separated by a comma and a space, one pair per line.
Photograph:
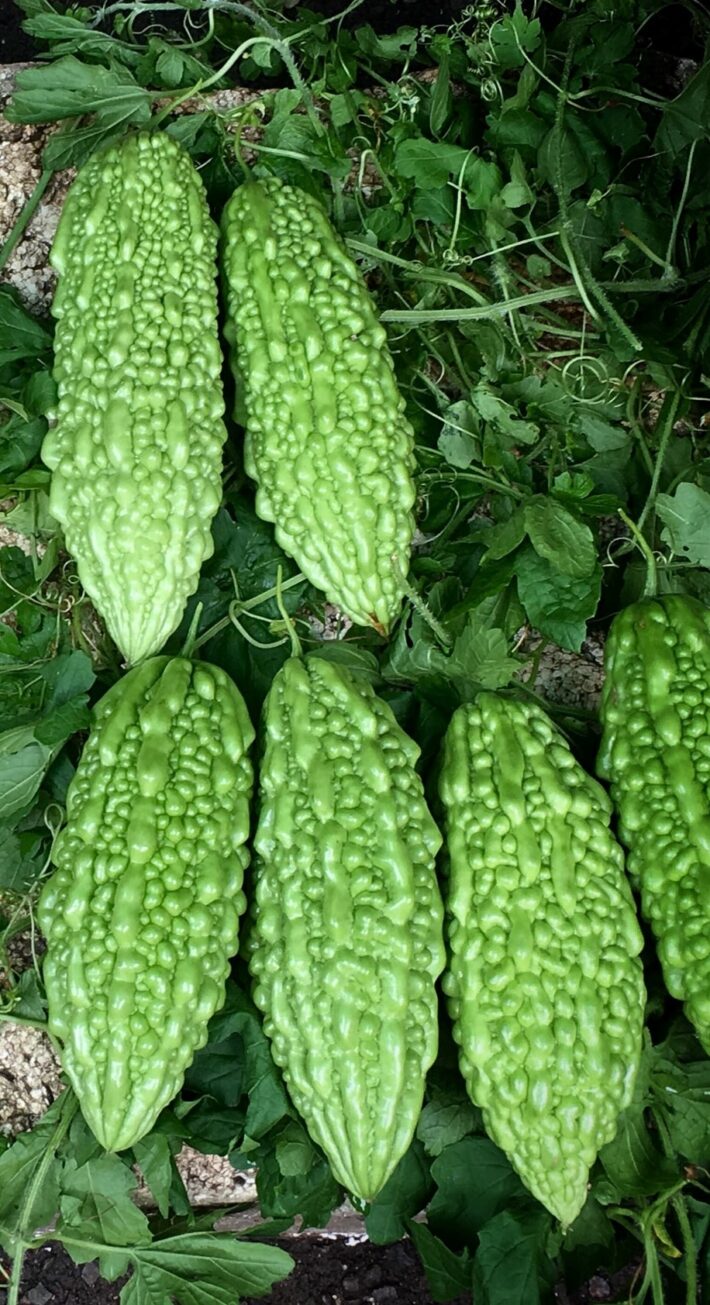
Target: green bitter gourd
136, 452
347, 940
656, 751
327, 440
142, 912
544, 981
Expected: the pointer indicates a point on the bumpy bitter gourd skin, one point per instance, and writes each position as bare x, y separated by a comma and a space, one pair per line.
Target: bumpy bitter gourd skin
327, 440
142, 912
347, 941
544, 981
136, 451
656, 751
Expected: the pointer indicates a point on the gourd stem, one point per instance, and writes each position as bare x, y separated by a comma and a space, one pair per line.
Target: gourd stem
296, 649
425, 612
650, 588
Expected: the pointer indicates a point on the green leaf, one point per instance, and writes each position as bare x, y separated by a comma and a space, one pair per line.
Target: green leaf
511, 36
18, 1167
314, 1195
686, 515
687, 117
268, 1102
429, 163
480, 657
440, 103
506, 536
482, 182
58, 725
474, 1181
402, 1196
18, 871
444, 1121
392, 46
295, 1153
20, 777
69, 88
203, 1269
155, 1158
559, 537
559, 606
458, 439
96, 1207
631, 1162
68, 35
21, 335
448, 1274
502, 416
510, 1254
682, 1093
27, 998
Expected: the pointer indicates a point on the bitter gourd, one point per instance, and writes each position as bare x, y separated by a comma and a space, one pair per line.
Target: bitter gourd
347, 939
136, 451
142, 912
656, 751
327, 440
544, 981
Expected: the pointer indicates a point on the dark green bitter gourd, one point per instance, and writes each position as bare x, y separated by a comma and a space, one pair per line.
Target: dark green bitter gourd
136, 451
656, 751
544, 980
347, 939
327, 440
142, 912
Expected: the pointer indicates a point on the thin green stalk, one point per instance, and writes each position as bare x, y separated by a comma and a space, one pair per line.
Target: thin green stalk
491, 310
635, 424
247, 606
670, 251
666, 422
651, 585
296, 649
25, 217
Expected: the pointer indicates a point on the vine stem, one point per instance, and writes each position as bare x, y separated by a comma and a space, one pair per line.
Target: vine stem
69, 1109
270, 37
650, 588
296, 649
666, 422
246, 606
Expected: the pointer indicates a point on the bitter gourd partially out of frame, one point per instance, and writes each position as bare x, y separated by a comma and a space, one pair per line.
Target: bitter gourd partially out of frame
544, 980
347, 937
656, 751
327, 440
136, 451
142, 912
